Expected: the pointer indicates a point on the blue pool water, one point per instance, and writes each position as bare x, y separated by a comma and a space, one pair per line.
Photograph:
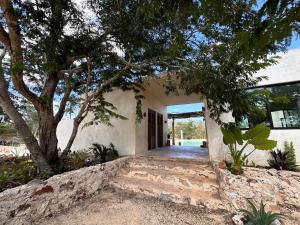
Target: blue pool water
191, 142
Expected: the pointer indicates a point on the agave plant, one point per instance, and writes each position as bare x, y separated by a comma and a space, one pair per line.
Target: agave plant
260, 216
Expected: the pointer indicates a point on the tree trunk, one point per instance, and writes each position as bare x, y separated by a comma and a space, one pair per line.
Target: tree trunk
47, 136
22, 128
47, 122
29, 139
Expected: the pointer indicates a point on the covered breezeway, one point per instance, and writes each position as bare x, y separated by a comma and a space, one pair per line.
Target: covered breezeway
185, 115
158, 128
180, 151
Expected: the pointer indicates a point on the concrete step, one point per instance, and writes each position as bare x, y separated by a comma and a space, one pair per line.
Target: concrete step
206, 181
177, 194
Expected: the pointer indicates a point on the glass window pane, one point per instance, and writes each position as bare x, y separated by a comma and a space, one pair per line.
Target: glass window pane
284, 106
244, 123
258, 113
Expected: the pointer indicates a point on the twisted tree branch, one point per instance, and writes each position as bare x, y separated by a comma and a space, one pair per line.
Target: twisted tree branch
12, 41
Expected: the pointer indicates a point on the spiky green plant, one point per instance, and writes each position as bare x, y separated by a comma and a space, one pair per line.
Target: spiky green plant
103, 153
284, 160
77, 160
259, 216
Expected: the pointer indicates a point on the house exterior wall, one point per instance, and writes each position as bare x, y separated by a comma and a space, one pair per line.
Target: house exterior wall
128, 136
141, 139
217, 150
121, 134
286, 70
131, 138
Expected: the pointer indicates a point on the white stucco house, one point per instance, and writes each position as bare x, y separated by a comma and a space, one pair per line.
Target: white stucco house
128, 136
132, 138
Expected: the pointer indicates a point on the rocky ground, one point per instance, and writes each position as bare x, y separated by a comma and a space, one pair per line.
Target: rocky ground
279, 191
117, 208
86, 196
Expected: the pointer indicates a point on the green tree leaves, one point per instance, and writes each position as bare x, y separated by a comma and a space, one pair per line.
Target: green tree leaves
233, 41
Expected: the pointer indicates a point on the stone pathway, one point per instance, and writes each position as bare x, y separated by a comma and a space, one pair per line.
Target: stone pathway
115, 208
184, 181
145, 192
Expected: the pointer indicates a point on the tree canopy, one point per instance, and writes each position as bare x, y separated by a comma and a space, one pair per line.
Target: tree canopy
217, 47
53, 53
230, 42
57, 54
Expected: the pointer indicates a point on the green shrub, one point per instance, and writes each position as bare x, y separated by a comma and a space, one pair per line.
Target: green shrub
16, 172
76, 160
104, 154
284, 160
4, 179
259, 216
7, 129
257, 137
26, 171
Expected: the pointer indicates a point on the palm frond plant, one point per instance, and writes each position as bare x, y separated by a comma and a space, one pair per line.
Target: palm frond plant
77, 160
103, 153
112, 153
238, 142
259, 216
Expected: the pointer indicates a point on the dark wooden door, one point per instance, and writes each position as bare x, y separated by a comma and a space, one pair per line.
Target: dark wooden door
151, 129
160, 130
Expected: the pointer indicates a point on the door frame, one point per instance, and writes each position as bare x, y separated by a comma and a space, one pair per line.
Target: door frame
152, 132
160, 130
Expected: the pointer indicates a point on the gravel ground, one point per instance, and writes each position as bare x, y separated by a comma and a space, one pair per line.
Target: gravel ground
115, 208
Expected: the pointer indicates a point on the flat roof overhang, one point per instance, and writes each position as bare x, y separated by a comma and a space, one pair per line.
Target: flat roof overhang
185, 115
156, 87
